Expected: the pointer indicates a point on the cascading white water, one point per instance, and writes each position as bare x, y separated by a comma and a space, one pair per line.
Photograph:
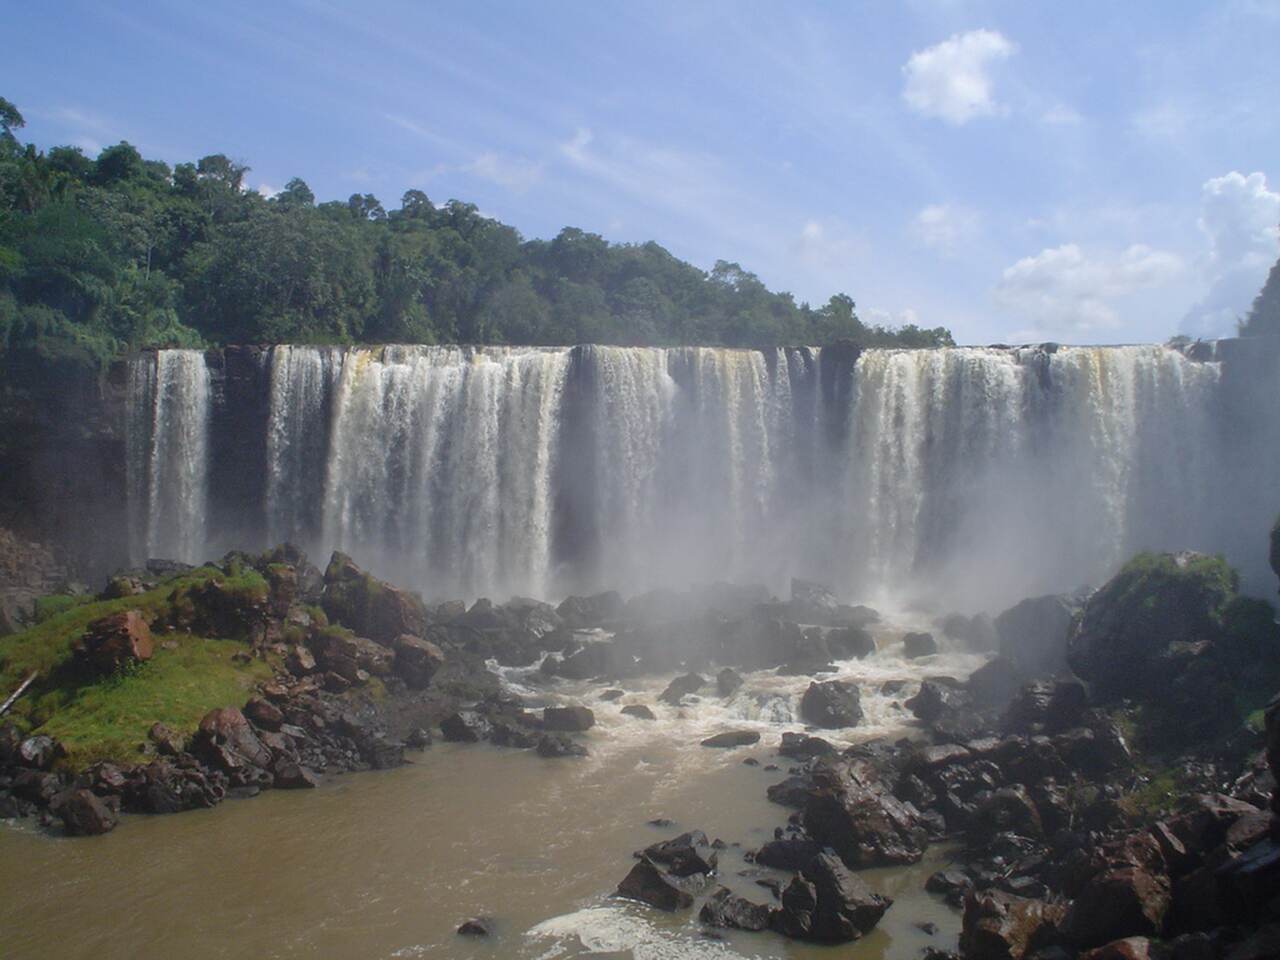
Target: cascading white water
177, 462
968, 476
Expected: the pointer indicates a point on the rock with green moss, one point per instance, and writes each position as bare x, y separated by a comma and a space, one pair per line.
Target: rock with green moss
1157, 606
369, 606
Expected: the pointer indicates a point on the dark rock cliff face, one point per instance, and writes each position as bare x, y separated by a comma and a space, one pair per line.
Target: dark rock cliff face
62, 459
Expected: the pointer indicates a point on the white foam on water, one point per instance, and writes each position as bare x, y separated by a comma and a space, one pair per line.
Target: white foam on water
616, 928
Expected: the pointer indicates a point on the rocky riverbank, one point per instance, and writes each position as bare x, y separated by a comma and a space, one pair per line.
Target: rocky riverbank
1120, 809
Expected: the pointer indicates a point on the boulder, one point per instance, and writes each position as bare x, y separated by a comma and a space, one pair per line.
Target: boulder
226, 742
918, 645
573, 719
112, 642
935, 700
994, 683
811, 595
1001, 926
639, 711
84, 814
1127, 901
1007, 810
831, 704
1033, 634
850, 809
38, 752
1155, 605
263, 715
417, 660
680, 687
724, 908
368, 605
294, 776
792, 853
464, 726
828, 904
800, 746
687, 855
848, 643
476, 927
594, 611
727, 682
648, 884
976, 634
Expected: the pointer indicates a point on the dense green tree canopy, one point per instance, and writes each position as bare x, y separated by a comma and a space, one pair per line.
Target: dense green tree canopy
1264, 315
100, 256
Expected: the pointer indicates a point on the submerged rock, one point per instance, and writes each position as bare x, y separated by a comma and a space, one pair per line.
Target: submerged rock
733, 738
574, 718
727, 682
680, 687
687, 855
800, 746
476, 927
639, 711
919, 645
559, 745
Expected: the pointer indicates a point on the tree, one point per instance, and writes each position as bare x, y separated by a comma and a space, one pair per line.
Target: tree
118, 163
10, 120
296, 193
1264, 315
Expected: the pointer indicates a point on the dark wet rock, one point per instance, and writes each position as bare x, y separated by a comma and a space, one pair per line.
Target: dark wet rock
1156, 605
417, 660
724, 908
648, 884
681, 687
369, 606
828, 904
1007, 810
226, 741
608, 696
168, 786
84, 814
264, 715
831, 704
112, 642
294, 776
1033, 634
476, 927
847, 643
594, 659
1046, 707
935, 699
687, 855
851, 810
639, 711
732, 738
918, 645
788, 854
300, 661
465, 726
1127, 901
727, 682
808, 593
952, 884
581, 612
573, 719
800, 746
559, 745
791, 792
994, 683
419, 738
1000, 926
893, 687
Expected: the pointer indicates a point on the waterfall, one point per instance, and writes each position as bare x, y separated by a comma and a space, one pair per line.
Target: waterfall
167, 441
967, 476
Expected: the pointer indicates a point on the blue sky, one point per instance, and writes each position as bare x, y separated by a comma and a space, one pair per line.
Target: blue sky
1090, 172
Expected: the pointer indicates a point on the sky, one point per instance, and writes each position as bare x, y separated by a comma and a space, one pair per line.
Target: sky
1092, 172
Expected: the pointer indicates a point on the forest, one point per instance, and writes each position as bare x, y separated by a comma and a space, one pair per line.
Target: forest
107, 255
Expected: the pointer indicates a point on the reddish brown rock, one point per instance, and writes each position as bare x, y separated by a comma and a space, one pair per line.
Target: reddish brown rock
114, 641
1000, 926
417, 660
227, 742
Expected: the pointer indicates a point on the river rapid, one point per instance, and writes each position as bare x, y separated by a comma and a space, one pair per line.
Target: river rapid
387, 864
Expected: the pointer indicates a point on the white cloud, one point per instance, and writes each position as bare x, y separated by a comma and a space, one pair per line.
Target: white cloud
1062, 293
827, 244
266, 190
951, 80
514, 173
1238, 217
875, 316
945, 227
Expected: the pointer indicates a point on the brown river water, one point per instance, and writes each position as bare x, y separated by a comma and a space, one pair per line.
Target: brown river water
387, 864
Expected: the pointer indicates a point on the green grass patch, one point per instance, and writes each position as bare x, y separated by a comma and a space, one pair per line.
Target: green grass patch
1159, 794
56, 603
108, 720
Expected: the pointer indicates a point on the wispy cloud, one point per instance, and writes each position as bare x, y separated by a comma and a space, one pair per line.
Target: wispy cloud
514, 173
945, 227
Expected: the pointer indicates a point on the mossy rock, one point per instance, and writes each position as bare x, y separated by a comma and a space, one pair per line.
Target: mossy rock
1157, 603
368, 605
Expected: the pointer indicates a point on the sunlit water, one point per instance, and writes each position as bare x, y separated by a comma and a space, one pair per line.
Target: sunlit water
384, 865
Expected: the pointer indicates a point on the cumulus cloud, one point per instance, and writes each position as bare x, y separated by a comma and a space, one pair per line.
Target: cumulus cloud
951, 79
1238, 217
514, 173
1064, 293
828, 244
945, 227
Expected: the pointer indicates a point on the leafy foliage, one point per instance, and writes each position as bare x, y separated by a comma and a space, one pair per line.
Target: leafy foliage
1264, 315
100, 256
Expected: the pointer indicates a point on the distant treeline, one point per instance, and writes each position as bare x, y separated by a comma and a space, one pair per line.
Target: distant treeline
115, 253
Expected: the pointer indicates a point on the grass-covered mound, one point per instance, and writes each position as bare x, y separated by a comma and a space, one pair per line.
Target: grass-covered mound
107, 717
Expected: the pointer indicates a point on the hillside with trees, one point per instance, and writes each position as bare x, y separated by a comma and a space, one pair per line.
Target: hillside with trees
99, 256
